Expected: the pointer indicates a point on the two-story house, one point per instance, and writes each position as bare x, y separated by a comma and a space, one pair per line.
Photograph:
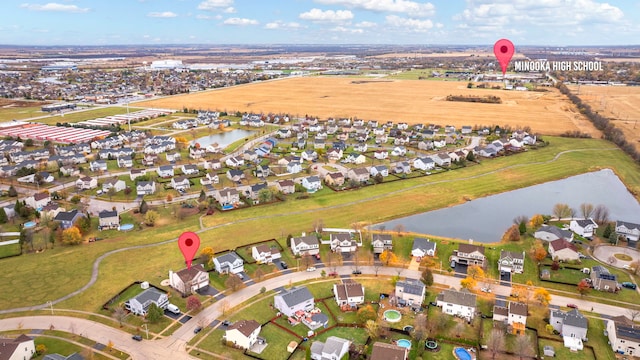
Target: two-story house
457, 303
602, 279
145, 187
334, 348
68, 218
228, 263
243, 333
108, 219
342, 242
514, 315
629, 230
511, 262
264, 254
410, 292
292, 300
139, 305
286, 186
624, 336
583, 227
189, 280
469, 254
348, 293
305, 245
227, 196
38, 201
571, 325
423, 247
381, 242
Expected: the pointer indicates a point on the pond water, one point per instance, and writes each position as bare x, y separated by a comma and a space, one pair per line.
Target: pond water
224, 138
486, 219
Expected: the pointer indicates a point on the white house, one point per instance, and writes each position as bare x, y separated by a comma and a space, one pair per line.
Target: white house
229, 263
139, 304
424, 163
189, 169
305, 245
188, 281
210, 178
125, 161
136, 173
108, 219
442, 159
629, 230
294, 299
469, 254
585, 227
227, 196
381, 242
410, 292
86, 183
180, 182
423, 247
511, 262
294, 167
562, 250
334, 348
264, 254
457, 303
235, 161
20, 348
113, 183
381, 154
145, 187
550, 233
514, 315
624, 336
342, 242
379, 169
571, 325
312, 183
348, 293
165, 171
39, 200
243, 333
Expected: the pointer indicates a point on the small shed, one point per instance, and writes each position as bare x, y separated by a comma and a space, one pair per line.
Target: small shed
549, 351
545, 274
292, 346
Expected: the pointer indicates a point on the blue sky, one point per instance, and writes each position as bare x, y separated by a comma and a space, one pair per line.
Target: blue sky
525, 22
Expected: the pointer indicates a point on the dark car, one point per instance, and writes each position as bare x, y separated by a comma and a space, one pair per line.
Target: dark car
356, 272
333, 274
573, 306
629, 285
226, 323
137, 337
284, 265
197, 329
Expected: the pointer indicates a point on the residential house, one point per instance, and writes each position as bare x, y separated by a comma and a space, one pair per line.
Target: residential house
136, 173
381, 154
173, 157
264, 254
165, 171
38, 201
629, 230
243, 333
70, 171
286, 186
334, 348
86, 183
402, 167
311, 183
348, 294
235, 161
145, 188
442, 159
211, 164
50, 211
342, 242
294, 167
125, 161
209, 178
294, 299
309, 155
469, 254
423, 247
355, 158
139, 305
334, 179
113, 183
235, 175
359, 175
20, 348
585, 227
562, 250
410, 292
360, 147
602, 279
227, 196
149, 159
457, 303
189, 169
228, 263
318, 143
571, 325
624, 336
399, 151
424, 163
511, 262
384, 351
250, 156
381, 242
197, 153
305, 245
262, 171
68, 218
180, 183
108, 219
514, 315
189, 280
382, 170
334, 154
550, 233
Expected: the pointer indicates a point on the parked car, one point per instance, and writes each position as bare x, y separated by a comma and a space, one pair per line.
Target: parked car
573, 306
485, 289
333, 273
284, 265
174, 309
629, 285
453, 263
226, 323
197, 329
356, 272
311, 268
137, 337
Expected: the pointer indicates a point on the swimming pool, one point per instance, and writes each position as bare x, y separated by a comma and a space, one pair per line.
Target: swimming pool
404, 343
462, 354
392, 315
126, 227
29, 224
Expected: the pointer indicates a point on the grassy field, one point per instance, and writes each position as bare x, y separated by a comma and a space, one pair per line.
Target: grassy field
67, 272
18, 110
621, 104
321, 96
78, 116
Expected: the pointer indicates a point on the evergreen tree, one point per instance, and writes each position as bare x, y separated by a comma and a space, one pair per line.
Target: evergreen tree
12, 191
3, 216
607, 231
144, 207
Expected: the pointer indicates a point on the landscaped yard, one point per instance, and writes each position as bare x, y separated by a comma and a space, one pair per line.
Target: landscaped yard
277, 339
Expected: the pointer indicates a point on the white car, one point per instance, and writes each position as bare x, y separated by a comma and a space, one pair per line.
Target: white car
485, 289
311, 268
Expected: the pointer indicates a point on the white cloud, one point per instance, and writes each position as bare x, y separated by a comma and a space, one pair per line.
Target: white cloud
230, 10
54, 7
326, 16
343, 29
281, 25
240, 21
366, 24
203, 17
408, 24
215, 4
164, 14
413, 8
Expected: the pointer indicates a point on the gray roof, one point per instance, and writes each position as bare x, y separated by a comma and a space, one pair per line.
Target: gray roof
628, 225
333, 345
585, 222
454, 296
423, 244
296, 295
556, 231
258, 187
66, 215
308, 240
107, 214
511, 254
149, 295
341, 236
629, 332
411, 286
229, 257
165, 167
571, 318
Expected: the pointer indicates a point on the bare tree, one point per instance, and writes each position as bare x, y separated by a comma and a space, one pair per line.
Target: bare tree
586, 210
520, 219
400, 228
601, 214
119, 313
420, 331
523, 346
561, 211
496, 342
334, 259
633, 314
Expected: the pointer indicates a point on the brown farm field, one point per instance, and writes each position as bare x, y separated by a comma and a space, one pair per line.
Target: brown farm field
621, 104
411, 101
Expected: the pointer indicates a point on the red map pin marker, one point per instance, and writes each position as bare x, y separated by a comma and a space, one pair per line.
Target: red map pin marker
189, 242
504, 50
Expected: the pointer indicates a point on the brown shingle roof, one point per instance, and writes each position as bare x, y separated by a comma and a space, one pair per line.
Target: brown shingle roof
562, 244
518, 308
187, 275
469, 248
382, 351
246, 327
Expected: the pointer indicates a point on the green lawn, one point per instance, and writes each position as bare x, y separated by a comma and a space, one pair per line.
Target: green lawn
78, 116
213, 343
277, 340
9, 250
65, 348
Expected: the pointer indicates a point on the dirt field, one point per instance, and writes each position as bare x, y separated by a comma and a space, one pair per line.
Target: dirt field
621, 104
396, 100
